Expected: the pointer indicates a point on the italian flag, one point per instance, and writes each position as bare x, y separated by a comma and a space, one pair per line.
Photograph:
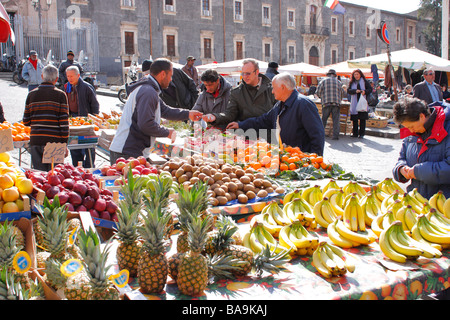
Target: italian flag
331, 3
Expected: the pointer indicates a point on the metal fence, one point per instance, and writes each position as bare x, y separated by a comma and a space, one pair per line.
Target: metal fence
55, 43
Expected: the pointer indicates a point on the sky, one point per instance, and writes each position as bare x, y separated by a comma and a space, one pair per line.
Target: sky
398, 6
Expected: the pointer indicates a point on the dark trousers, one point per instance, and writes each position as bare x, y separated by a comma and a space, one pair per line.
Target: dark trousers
361, 130
82, 155
37, 152
334, 110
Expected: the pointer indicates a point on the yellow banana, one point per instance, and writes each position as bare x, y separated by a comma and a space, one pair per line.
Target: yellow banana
351, 235
354, 225
284, 240
380, 195
388, 219
387, 249
306, 193
277, 214
329, 192
291, 195
332, 184
447, 208
320, 219
388, 201
377, 224
298, 239
360, 190
321, 268
340, 263
416, 235
370, 208
408, 200
436, 201
416, 194
325, 259
336, 237
315, 196
394, 185
360, 215
397, 245
428, 250
410, 219
246, 240
269, 224
439, 219
255, 244
348, 258
336, 201
430, 233
400, 216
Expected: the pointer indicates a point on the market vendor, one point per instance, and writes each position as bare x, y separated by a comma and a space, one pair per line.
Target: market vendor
252, 98
141, 119
299, 121
424, 157
82, 101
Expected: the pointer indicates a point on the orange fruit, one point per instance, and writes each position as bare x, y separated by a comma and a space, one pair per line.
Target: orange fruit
284, 167
10, 194
10, 207
292, 166
368, 295
6, 181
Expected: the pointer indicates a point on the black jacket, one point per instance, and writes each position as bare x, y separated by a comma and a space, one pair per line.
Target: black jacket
182, 92
87, 98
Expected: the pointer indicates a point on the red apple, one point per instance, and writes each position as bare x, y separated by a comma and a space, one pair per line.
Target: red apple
142, 160
121, 159
94, 213
146, 171
120, 165
111, 172
134, 163
100, 205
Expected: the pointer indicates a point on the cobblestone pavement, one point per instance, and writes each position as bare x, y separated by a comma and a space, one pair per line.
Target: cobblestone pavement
372, 157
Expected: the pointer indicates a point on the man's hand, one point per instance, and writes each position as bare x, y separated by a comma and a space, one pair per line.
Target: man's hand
195, 115
172, 135
233, 125
407, 172
209, 118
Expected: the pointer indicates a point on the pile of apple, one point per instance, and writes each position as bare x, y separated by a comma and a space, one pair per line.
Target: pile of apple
76, 188
139, 166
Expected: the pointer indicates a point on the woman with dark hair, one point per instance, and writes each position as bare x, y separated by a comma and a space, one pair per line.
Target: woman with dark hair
357, 88
425, 154
445, 92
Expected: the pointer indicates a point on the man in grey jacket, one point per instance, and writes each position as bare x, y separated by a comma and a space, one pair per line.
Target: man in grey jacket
32, 71
140, 123
428, 90
215, 95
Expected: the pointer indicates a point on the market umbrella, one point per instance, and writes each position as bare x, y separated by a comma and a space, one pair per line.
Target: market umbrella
5, 27
297, 69
342, 69
412, 58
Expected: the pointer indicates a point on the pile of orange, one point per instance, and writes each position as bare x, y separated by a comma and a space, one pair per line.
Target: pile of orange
20, 132
82, 121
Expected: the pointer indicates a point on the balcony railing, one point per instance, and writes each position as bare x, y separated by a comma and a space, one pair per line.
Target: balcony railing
312, 29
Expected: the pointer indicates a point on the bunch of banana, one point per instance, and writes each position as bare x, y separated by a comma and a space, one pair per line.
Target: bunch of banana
312, 195
377, 223
431, 232
258, 238
353, 217
298, 239
277, 214
330, 260
354, 187
370, 207
416, 195
297, 209
437, 201
324, 213
439, 219
268, 223
336, 197
447, 208
407, 216
332, 184
292, 195
389, 186
389, 201
380, 195
343, 237
399, 247
408, 200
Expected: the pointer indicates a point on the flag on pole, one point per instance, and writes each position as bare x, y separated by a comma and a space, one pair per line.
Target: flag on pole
339, 9
331, 3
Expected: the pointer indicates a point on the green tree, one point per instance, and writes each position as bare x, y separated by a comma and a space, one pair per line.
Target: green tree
431, 10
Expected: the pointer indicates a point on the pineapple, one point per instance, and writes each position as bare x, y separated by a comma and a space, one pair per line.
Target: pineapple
174, 262
132, 188
193, 268
130, 245
94, 260
194, 200
78, 287
10, 289
153, 265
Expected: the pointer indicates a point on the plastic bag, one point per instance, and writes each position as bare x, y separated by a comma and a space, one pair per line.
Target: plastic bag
362, 105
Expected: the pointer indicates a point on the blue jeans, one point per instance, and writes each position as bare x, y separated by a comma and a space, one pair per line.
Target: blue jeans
334, 110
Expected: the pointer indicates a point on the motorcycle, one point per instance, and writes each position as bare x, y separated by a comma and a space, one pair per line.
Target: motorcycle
17, 74
131, 75
7, 63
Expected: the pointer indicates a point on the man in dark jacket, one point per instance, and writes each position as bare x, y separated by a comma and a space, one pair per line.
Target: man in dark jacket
140, 123
67, 63
295, 116
272, 70
181, 92
428, 90
252, 98
82, 101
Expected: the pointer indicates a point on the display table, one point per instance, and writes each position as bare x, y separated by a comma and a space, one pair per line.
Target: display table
301, 281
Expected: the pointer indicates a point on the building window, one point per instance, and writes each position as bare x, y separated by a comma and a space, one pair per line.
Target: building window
351, 27
291, 19
291, 51
129, 43
397, 35
351, 53
368, 33
267, 51
238, 12
170, 42
334, 56
169, 7
334, 28
206, 8
207, 52
239, 50
127, 3
411, 36
266, 20
368, 52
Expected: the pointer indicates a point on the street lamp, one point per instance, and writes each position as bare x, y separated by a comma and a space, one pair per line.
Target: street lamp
38, 7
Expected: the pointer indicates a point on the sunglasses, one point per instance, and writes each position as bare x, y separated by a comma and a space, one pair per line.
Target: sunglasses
246, 74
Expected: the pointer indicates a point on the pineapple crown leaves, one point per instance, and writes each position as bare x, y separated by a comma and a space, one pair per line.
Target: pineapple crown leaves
197, 232
94, 257
221, 266
154, 230
157, 192
127, 221
192, 202
132, 187
11, 289
270, 261
8, 247
54, 226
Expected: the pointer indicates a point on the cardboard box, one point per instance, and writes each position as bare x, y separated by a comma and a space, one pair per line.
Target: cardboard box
377, 123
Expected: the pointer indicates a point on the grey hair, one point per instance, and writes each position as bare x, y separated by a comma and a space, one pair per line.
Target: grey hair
50, 73
287, 79
427, 70
73, 68
252, 61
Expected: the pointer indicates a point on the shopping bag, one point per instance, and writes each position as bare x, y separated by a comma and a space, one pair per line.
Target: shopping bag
362, 105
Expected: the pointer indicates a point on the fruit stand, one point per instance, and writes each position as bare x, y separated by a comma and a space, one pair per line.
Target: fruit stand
220, 220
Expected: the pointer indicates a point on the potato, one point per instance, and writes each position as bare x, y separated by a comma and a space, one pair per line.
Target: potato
179, 172
173, 165
269, 190
249, 187
245, 179
214, 202
222, 200
187, 167
219, 192
242, 198
262, 194
232, 187
250, 195
258, 182
239, 173
259, 175
280, 190
228, 196
267, 183
218, 176
227, 169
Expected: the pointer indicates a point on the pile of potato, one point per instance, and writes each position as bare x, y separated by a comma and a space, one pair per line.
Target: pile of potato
227, 182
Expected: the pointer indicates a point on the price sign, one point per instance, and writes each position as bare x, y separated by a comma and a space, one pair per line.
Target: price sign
54, 153
6, 140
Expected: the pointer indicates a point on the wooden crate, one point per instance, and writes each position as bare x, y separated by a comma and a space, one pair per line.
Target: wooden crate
344, 120
377, 123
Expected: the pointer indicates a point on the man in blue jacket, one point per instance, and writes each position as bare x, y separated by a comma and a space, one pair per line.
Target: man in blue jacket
294, 115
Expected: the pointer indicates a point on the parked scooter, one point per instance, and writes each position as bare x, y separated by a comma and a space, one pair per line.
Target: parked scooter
132, 75
17, 74
7, 63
